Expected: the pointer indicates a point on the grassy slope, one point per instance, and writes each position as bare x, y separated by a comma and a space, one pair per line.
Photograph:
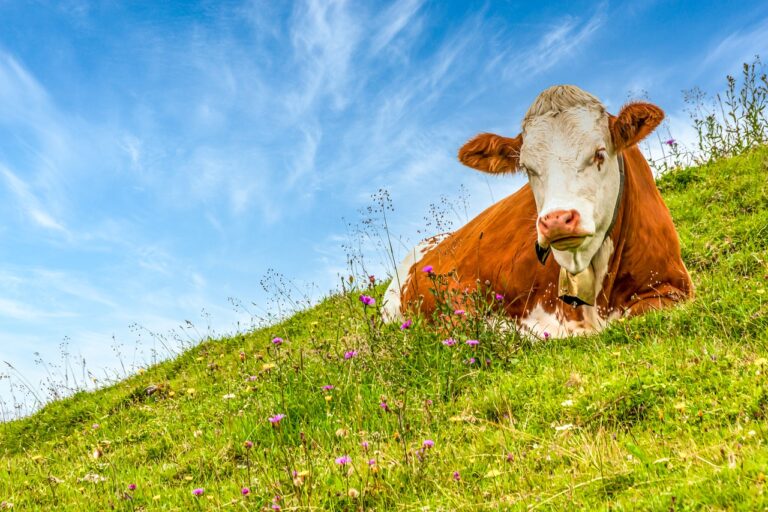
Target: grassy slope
666, 412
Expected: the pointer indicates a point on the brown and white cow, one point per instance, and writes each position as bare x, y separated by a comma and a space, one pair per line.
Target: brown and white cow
591, 202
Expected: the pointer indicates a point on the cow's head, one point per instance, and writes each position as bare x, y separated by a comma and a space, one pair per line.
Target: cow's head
569, 148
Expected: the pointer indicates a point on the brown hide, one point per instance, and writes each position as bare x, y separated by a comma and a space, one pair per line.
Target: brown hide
645, 270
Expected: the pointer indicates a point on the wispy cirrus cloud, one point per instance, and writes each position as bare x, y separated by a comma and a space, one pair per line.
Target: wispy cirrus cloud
20, 311
393, 21
30, 204
567, 36
325, 36
740, 45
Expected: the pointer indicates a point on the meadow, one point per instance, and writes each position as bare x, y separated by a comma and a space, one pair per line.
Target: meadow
331, 409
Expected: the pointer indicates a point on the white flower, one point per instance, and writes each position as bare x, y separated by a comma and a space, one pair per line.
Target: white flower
93, 478
567, 403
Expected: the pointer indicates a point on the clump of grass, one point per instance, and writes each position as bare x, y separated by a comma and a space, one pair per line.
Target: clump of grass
727, 124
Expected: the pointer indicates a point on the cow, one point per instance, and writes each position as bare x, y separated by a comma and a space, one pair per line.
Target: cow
587, 240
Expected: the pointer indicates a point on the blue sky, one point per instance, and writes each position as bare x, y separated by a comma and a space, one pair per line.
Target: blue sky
157, 158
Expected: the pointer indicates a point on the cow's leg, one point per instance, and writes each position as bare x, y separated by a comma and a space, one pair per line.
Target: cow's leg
662, 297
391, 310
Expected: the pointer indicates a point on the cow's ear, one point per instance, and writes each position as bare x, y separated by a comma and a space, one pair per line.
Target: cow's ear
634, 123
492, 153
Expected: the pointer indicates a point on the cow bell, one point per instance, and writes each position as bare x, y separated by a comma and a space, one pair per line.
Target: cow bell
577, 289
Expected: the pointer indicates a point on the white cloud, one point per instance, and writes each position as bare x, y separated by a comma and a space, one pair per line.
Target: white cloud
325, 36
392, 22
30, 204
560, 41
737, 47
24, 312
302, 163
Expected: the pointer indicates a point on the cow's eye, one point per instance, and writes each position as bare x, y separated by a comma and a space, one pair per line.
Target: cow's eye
599, 158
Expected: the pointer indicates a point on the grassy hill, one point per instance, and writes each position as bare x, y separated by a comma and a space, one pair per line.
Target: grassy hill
664, 412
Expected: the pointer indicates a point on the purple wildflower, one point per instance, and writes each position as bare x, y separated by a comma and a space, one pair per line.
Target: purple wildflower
472, 343
459, 312
245, 491
350, 354
456, 476
198, 492
131, 487
252, 378
365, 445
328, 387
343, 460
372, 462
406, 325
449, 342
427, 269
499, 297
472, 360
428, 443
546, 335
276, 419
277, 340
248, 444
670, 142
367, 300
384, 406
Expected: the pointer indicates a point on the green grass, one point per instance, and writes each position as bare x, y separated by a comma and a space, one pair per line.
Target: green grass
663, 412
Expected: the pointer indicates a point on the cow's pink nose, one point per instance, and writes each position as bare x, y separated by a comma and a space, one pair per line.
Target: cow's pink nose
559, 224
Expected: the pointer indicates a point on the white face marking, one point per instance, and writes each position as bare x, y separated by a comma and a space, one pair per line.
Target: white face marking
558, 153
